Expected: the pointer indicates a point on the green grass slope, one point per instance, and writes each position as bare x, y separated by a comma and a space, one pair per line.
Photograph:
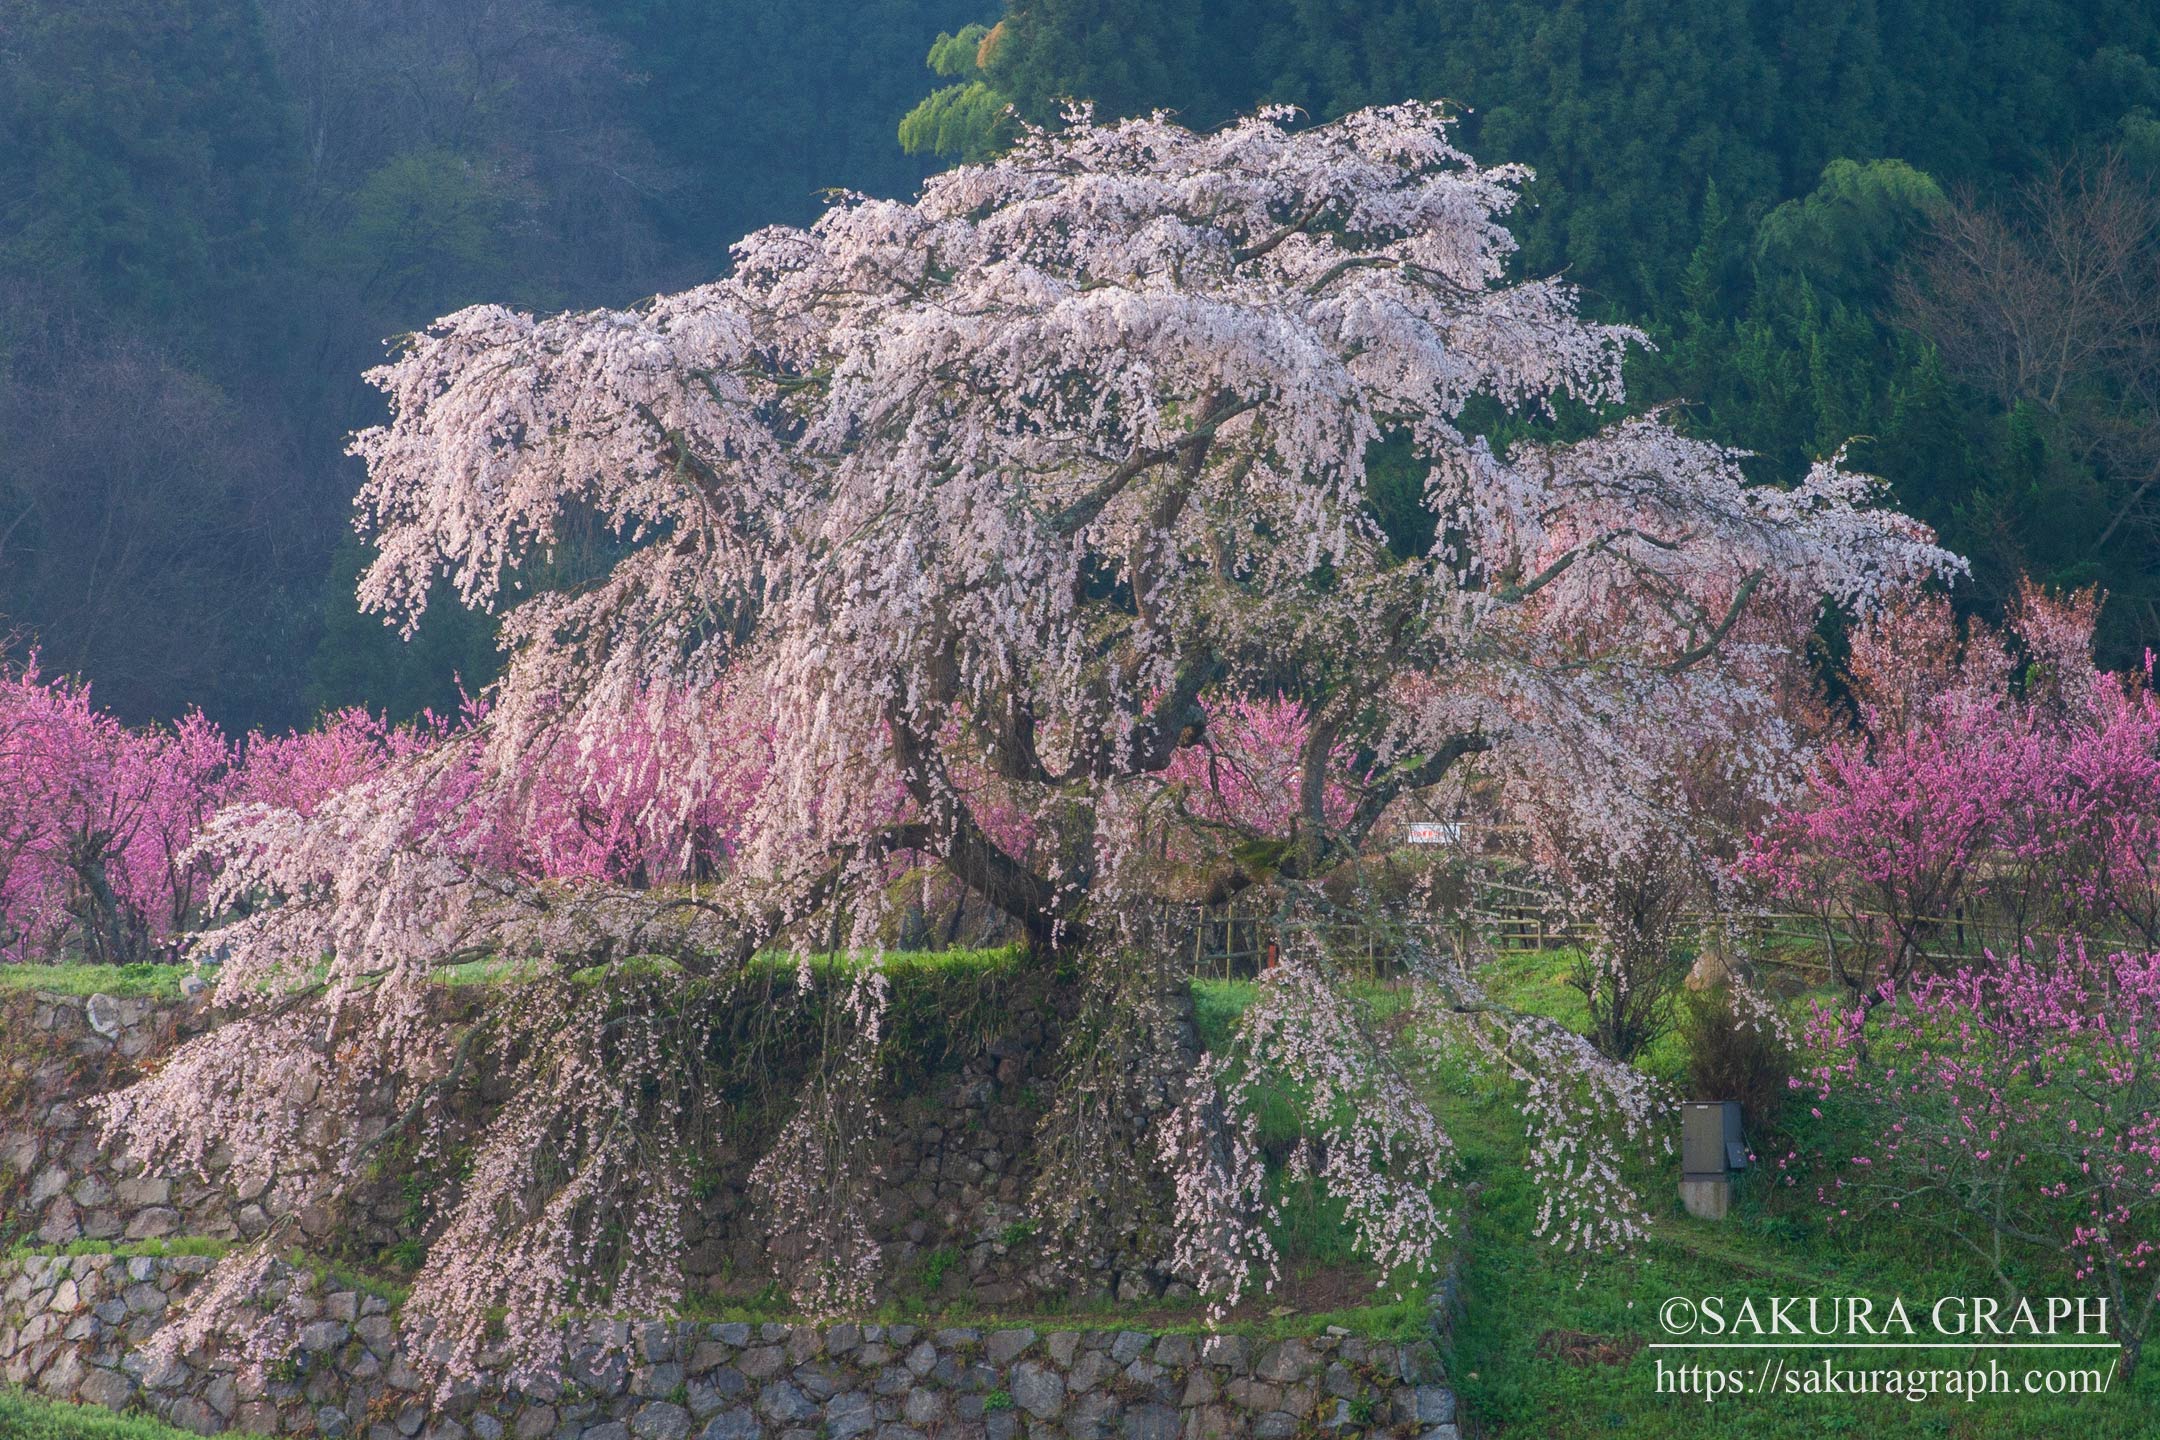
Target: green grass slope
25, 1417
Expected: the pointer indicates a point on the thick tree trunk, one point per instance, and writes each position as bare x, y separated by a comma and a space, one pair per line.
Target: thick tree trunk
107, 929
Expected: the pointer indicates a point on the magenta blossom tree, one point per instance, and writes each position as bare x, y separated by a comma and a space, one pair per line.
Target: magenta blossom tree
97, 823
2010, 791
987, 506
1244, 772
2016, 1107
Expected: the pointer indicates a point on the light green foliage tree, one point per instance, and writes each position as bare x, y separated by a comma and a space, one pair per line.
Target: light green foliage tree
426, 226
969, 120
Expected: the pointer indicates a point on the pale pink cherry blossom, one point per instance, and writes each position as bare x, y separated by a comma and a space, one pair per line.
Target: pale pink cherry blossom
1380, 1149
976, 508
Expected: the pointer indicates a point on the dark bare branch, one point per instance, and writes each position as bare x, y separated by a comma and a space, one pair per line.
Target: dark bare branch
1694, 655
1082, 512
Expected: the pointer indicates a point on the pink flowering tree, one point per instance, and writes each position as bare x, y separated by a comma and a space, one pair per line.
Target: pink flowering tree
2102, 818
97, 823
611, 810
1243, 772
2004, 787
2016, 1108
301, 769
986, 507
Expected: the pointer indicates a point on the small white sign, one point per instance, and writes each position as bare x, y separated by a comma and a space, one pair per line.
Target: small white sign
1435, 832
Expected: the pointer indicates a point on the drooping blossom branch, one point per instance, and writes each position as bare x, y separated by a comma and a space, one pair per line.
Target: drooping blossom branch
979, 511
1379, 1149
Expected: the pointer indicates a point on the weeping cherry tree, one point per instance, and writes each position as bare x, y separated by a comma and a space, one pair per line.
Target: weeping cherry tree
976, 507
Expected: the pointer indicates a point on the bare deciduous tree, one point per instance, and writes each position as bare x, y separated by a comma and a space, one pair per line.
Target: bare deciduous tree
2051, 303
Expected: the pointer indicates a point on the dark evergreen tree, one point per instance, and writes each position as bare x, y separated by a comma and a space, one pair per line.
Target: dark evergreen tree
1743, 179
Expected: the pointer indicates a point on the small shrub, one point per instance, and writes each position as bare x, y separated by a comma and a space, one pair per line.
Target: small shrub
935, 1266
1628, 978
1734, 1053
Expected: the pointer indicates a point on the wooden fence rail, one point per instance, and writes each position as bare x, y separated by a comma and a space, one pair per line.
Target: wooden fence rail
1510, 917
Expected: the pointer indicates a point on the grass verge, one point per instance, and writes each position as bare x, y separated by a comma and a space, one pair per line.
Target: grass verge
27, 1417
1554, 1345
159, 982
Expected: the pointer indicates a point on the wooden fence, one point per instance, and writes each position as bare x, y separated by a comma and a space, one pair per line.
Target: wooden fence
1509, 916
1236, 941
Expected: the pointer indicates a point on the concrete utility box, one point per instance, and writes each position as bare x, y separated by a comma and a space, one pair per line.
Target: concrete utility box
1710, 1150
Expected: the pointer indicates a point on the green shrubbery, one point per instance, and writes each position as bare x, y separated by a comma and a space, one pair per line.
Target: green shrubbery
1734, 1055
23, 1417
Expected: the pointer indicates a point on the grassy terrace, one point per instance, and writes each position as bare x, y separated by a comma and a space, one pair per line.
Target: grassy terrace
26, 1417
162, 982
1553, 1345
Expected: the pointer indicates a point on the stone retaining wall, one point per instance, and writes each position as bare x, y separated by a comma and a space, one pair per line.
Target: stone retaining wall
953, 1172
954, 1176
56, 1183
76, 1327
